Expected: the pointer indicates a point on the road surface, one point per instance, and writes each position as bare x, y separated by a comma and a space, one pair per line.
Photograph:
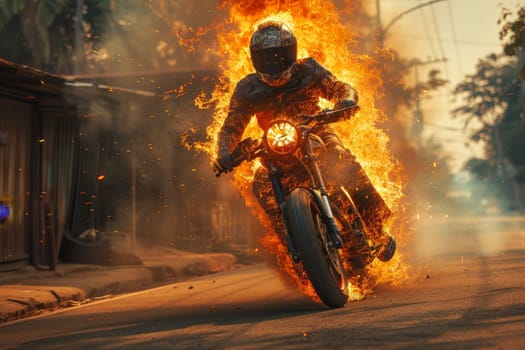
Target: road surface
460, 300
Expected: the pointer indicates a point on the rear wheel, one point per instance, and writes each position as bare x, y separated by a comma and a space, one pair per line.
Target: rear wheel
310, 236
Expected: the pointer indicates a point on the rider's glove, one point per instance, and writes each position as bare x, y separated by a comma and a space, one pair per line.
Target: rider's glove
346, 103
223, 164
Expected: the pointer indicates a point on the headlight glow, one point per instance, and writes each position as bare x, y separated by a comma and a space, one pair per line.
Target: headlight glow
282, 138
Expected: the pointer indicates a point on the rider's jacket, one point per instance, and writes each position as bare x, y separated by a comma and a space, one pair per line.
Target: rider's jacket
300, 96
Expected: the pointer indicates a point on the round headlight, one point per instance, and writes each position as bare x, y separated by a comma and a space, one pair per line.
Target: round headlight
282, 138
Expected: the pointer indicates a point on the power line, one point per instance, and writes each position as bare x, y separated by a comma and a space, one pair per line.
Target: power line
436, 27
448, 128
463, 42
399, 16
422, 11
454, 35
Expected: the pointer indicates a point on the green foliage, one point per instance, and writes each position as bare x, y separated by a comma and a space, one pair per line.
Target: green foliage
492, 104
45, 13
113, 35
512, 33
491, 98
486, 94
41, 33
35, 17
10, 8
514, 146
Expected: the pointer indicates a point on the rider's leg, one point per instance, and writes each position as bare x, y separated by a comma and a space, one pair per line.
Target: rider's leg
371, 206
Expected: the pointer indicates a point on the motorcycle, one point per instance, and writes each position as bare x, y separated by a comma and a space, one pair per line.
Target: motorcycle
317, 228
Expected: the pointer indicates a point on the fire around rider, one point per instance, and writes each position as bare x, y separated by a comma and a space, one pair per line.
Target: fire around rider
286, 86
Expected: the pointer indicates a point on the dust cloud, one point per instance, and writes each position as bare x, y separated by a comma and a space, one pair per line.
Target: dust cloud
156, 188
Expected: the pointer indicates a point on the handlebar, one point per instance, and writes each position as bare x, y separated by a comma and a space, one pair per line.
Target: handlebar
248, 148
331, 116
245, 150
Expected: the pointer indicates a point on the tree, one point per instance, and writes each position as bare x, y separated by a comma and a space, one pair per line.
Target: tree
42, 33
488, 95
490, 104
112, 35
512, 34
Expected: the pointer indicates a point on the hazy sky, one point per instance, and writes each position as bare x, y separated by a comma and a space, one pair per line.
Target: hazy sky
462, 31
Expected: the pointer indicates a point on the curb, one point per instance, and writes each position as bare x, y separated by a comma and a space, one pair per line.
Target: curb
33, 292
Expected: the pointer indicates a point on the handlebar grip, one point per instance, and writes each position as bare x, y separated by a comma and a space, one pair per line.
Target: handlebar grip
236, 162
240, 154
341, 114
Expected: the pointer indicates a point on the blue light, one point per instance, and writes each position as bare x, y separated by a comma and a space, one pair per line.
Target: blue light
5, 211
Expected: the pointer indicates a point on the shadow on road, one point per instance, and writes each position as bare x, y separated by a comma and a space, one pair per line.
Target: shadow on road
473, 304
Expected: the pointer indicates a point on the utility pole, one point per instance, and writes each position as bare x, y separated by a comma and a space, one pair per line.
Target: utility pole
383, 31
417, 121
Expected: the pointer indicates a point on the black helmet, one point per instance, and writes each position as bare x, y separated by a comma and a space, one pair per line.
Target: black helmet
273, 48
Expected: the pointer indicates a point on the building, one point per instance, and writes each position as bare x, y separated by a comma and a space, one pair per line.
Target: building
100, 156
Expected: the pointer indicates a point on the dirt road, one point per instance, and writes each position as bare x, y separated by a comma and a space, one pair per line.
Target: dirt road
460, 301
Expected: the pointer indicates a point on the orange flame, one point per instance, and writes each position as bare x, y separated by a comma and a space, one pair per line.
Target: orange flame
320, 34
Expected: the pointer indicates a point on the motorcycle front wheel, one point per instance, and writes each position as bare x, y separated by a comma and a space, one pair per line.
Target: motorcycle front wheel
310, 236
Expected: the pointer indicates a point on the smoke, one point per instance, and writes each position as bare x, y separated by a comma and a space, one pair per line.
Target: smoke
467, 236
142, 118
159, 189
174, 192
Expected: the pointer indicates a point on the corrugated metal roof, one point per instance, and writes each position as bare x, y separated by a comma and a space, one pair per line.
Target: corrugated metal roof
28, 83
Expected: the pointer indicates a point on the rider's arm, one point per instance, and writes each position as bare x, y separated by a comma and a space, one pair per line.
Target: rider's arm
230, 134
336, 91
333, 89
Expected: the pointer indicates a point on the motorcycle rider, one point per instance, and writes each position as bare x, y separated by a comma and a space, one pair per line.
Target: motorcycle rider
287, 86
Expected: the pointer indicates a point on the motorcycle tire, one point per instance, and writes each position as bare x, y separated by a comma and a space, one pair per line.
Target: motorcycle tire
323, 264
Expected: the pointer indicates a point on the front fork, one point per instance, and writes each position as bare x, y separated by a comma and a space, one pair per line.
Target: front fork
335, 240
334, 234
280, 197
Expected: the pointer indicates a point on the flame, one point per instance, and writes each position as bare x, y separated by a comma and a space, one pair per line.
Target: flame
320, 34
181, 90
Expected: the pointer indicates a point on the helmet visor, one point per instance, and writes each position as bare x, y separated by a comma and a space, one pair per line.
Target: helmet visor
274, 59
